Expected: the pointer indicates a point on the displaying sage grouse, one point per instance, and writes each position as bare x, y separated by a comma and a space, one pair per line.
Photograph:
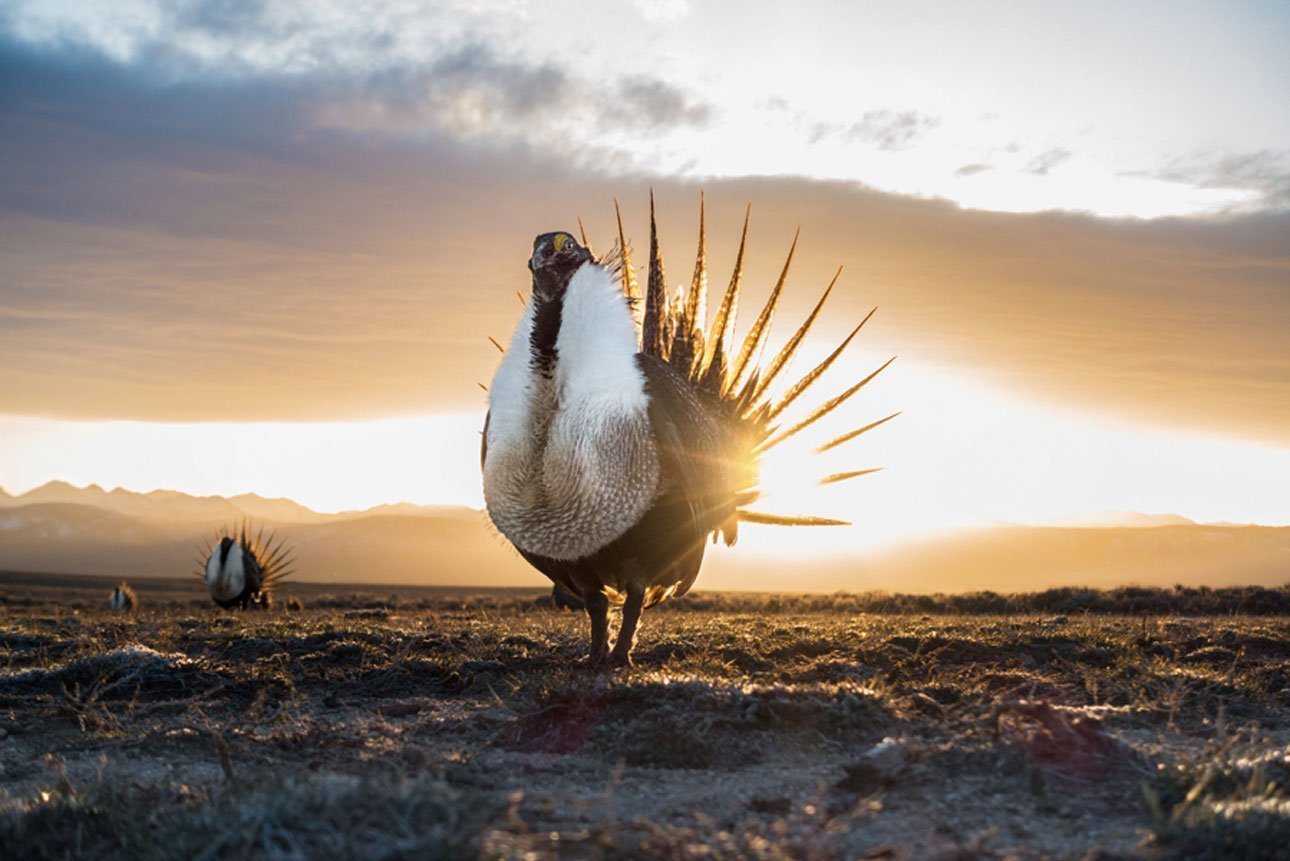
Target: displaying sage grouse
612, 451
123, 599
242, 571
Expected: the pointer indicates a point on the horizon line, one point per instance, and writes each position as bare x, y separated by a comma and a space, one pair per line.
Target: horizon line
1069, 523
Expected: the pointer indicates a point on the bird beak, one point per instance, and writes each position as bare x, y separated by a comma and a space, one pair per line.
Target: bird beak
539, 254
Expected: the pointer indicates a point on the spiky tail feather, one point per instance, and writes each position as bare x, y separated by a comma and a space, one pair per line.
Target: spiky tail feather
275, 557
675, 331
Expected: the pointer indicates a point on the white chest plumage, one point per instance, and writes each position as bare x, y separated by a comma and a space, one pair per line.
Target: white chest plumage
227, 580
571, 463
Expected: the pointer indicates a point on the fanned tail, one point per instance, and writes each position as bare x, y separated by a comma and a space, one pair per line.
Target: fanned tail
277, 558
204, 551
653, 341
271, 552
631, 288
755, 340
675, 332
746, 516
717, 367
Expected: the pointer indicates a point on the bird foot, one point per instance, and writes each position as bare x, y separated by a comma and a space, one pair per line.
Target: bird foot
617, 659
597, 660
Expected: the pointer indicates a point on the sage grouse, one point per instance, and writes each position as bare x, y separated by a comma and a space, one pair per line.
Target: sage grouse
242, 571
612, 451
123, 599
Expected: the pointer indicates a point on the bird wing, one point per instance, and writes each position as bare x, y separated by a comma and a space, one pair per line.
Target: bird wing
692, 446
254, 572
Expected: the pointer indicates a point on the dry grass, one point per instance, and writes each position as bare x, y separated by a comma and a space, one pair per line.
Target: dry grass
752, 726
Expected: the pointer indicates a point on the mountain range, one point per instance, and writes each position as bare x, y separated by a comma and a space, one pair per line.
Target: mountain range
59, 528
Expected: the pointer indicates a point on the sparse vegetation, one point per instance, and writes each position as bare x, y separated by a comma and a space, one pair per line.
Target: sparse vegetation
1123, 601
419, 724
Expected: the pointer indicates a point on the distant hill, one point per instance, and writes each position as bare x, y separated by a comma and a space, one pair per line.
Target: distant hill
1130, 519
450, 547
169, 505
408, 509
54, 522
64, 529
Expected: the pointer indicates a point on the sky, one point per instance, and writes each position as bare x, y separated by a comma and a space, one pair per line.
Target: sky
259, 246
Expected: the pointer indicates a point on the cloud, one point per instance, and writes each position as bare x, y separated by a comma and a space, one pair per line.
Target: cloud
888, 130
615, 93
1264, 171
650, 103
662, 10
405, 73
228, 39
219, 17
467, 93
972, 169
204, 250
1041, 164
473, 92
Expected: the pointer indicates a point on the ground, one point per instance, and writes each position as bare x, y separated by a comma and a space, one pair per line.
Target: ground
430, 724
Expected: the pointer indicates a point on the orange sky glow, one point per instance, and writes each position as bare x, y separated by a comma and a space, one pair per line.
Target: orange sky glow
248, 265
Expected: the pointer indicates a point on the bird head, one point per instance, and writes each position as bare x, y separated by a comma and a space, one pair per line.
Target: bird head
556, 256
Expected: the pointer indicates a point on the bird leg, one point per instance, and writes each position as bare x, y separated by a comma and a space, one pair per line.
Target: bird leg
622, 654
597, 606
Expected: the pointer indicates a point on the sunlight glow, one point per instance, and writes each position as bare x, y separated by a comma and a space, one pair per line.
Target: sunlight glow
327, 466
964, 454
961, 455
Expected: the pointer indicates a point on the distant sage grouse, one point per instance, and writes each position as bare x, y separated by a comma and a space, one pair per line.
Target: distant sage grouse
123, 599
612, 451
241, 569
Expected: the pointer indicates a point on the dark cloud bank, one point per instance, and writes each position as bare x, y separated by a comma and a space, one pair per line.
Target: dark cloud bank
201, 251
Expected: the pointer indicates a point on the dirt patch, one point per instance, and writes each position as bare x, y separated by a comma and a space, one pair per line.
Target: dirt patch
694, 725
1069, 746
